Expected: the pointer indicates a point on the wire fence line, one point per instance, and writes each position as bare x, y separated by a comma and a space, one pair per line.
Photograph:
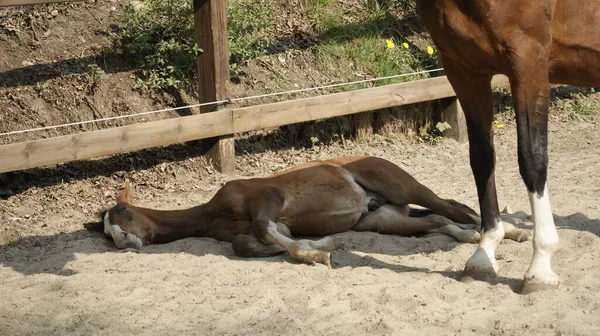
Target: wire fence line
230, 100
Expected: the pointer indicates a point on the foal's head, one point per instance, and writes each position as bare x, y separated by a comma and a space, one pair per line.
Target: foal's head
125, 224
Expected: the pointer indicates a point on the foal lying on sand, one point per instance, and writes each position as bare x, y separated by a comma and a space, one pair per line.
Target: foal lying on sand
261, 215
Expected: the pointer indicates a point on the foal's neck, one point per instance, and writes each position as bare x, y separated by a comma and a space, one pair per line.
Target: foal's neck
177, 224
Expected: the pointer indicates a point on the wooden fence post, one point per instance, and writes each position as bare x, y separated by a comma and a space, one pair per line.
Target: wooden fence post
455, 117
210, 24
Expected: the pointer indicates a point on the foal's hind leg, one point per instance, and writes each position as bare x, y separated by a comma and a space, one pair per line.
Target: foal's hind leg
392, 219
400, 188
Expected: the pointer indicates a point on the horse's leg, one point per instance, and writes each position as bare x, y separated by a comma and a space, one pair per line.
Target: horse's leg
530, 89
398, 187
265, 208
311, 251
393, 219
475, 94
512, 232
248, 246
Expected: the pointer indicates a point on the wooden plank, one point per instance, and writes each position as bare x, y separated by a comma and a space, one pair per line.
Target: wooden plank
294, 111
30, 2
82, 146
210, 26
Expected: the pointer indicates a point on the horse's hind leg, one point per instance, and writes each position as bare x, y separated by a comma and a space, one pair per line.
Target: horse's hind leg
393, 219
400, 188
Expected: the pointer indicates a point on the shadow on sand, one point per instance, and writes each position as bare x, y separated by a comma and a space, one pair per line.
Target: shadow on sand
51, 254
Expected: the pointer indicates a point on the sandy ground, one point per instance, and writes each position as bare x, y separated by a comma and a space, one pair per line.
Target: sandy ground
58, 279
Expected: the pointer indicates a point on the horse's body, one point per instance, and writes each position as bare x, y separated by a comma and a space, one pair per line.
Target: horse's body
533, 43
260, 215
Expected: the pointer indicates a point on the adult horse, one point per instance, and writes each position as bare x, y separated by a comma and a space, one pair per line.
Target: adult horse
534, 43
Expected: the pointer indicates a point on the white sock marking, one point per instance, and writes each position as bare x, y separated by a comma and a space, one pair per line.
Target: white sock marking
484, 257
545, 239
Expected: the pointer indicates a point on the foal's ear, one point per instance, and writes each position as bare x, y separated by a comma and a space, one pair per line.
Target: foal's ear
125, 195
94, 226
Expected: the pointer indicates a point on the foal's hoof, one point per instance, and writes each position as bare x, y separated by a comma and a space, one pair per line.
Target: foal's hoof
324, 258
470, 237
536, 285
321, 257
524, 236
338, 244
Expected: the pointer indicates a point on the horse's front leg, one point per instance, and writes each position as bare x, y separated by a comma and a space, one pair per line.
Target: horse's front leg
475, 95
530, 94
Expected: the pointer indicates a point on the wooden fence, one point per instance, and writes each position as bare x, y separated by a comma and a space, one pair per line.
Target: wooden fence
219, 125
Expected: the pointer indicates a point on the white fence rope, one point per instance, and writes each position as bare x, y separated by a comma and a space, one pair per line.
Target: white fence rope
217, 102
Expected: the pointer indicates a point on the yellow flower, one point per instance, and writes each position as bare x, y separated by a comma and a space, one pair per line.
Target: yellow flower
429, 50
390, 44
500, 125
405, 45
495, 121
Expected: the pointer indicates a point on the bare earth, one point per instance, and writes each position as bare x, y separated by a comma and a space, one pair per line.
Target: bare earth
57, 278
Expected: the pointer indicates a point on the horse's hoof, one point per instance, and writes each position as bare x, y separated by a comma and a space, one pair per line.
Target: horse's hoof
471, 237
471, 274
536, 285
524, 236
322, 258
480, 267
325, 259
339, 243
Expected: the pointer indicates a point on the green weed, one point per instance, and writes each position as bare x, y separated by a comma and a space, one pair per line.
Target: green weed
369, 42
159, 37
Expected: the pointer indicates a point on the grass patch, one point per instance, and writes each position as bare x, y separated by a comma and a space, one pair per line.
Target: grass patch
159, 36
369, 42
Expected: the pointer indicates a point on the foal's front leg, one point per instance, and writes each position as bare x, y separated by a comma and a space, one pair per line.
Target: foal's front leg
310, 251
265, 209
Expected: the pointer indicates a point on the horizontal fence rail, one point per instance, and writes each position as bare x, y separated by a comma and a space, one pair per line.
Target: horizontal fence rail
36, 153
30, 2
